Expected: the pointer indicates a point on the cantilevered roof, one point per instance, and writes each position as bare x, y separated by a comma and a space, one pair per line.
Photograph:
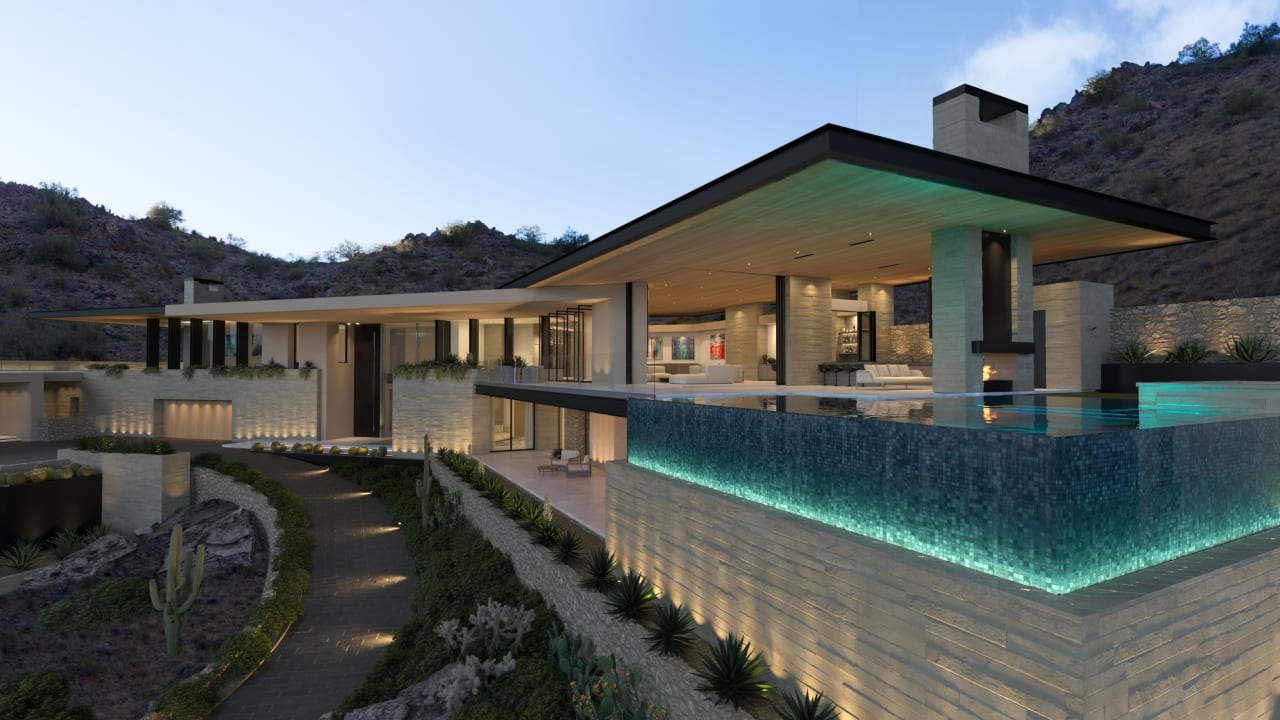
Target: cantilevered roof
115, 316
856, 208
397, 308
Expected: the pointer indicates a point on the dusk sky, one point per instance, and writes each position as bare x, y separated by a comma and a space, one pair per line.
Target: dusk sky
298, 126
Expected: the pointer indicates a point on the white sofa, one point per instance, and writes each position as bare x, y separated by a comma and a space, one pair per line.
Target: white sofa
881, 375
710, 375
657, 373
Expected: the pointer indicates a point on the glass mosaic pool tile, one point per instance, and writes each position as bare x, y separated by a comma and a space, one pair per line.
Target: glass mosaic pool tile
1053, 512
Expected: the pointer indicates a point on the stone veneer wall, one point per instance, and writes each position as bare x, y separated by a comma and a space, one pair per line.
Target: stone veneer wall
1162, 327
809, 327
64, 428
577, 431
138, 490
890, 634
904, 344
280, 408
443, 408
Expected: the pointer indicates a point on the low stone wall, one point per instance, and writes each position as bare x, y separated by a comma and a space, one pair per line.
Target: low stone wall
1162, 327
207, 484
138, 490
890, 634
64, 428
443, 408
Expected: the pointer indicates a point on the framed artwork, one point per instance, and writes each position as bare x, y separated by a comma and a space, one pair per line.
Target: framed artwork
655, 348
717, 346
682, 348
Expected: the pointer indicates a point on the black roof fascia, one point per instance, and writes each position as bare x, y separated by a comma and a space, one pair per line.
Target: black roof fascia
70, 314
616, 406
992, 105
879, 153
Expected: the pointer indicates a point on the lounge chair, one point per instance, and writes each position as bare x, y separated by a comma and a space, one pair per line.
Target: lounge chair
578, 466
565, 457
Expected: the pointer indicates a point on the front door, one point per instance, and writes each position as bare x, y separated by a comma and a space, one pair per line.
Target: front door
367, 384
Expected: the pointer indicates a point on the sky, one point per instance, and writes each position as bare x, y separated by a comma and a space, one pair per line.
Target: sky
300, 126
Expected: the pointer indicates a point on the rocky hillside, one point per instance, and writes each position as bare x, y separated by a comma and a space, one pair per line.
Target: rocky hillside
1199, 139
59, 251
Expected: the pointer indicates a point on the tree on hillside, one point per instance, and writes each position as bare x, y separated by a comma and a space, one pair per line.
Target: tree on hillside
1255, 40
58, 206
1199, 51
165, 215
571, 240
345, 250
530, 234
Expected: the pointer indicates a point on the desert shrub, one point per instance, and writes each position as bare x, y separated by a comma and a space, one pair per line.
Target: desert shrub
126, 446
530, 234
58, 251
111, 599
345, 250
58, 206
12, 297
1132, 104
570, 239
1192, 350
257, 264
1250, 348
1243, 101
456, 234
1102, 86
38, 695
1153, 186
109, 269
165, 215
35, 340
1114, 140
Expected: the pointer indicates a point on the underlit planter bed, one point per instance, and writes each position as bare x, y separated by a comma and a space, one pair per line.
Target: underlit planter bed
36, 510
1124, 378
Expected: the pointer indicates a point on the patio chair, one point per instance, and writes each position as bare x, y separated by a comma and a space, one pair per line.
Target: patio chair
578, 466
566, 456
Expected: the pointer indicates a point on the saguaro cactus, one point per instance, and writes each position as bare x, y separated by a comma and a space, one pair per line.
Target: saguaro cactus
181, 583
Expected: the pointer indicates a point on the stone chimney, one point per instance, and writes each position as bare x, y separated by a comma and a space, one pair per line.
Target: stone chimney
979, 125
201, 290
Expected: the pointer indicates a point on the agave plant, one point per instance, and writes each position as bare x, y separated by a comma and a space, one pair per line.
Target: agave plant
672, 632
1192, 350
568, 547
734, 672
1250, 349
545, 533
632, 597
1134, 352
100, 530
798, 706
20, 556
600, 566
65, 543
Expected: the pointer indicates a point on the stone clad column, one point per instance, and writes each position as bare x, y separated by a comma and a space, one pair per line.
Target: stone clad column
742, 338
957, 309
879, 300
805, 329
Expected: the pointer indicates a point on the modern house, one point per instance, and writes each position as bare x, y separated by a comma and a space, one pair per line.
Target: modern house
986, 574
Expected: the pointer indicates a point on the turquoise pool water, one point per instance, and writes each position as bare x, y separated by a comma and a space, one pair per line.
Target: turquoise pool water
1055, 415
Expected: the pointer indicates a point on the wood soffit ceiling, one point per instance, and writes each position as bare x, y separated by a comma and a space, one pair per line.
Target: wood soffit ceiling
835, 220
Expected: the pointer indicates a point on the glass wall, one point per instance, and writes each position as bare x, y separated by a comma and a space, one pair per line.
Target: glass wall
512, 425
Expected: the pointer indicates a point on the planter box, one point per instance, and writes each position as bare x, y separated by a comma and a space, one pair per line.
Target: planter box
138, 490
37, 510
1124, 378
766, 372
530, 374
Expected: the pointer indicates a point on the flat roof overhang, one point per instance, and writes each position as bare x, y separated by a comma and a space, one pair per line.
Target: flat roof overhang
856, 208
114, 316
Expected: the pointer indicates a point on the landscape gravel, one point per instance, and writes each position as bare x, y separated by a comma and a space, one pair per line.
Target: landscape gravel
669, 682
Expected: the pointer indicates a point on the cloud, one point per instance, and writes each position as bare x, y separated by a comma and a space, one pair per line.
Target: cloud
1038, 65
1162, 27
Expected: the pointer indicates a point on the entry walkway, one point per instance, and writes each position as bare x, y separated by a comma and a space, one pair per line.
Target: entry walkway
360, 593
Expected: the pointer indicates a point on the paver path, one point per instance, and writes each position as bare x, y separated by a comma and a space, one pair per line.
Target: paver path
359, 596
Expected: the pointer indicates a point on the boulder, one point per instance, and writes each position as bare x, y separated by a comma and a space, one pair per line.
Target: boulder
226, 529
89, 561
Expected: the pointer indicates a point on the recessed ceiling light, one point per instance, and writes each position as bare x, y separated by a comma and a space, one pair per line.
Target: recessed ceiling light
798, 257
861, 242
882, 267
